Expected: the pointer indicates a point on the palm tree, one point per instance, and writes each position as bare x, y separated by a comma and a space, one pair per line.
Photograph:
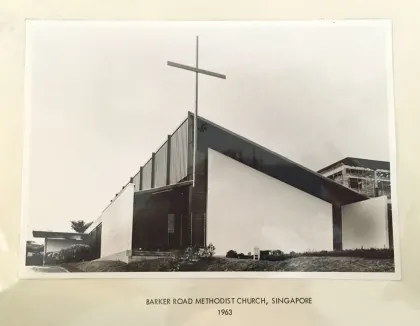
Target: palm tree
80, 226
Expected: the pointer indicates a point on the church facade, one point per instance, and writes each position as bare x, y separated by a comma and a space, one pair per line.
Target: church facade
244, 196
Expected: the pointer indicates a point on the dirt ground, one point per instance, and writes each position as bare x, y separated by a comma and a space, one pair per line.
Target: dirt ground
299, 264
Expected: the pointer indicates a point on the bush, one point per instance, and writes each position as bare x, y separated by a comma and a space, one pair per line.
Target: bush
269, 254
371, 253
196, 253
76, 253
190, 256
277, 253
52, 258
206, 252
277, 258
232, 254
264, 253
243, 256
274, 255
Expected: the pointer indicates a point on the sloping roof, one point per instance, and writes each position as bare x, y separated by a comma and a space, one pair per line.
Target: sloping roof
275, 165
360, 162
266, 161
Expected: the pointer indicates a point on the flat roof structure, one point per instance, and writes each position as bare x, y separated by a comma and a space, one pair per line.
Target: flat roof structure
60, 235
360, 162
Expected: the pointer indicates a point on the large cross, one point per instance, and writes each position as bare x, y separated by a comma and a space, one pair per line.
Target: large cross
197, 71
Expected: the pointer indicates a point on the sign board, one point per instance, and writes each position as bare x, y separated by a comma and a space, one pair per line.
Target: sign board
256, 253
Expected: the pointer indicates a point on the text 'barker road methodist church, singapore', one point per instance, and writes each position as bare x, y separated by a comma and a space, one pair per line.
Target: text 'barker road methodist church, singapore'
244, 196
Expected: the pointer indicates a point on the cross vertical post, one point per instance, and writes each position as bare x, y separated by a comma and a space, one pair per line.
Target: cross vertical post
197, 71
196, 110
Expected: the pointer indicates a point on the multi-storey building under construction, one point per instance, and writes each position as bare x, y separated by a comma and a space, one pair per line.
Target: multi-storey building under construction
368, 177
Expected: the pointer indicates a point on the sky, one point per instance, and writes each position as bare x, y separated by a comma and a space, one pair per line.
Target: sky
102, 99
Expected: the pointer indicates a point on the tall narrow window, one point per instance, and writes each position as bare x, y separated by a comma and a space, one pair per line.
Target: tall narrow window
171, 223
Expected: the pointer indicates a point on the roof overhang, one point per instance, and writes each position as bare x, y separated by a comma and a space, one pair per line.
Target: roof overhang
164, 188
59, 235
276, 165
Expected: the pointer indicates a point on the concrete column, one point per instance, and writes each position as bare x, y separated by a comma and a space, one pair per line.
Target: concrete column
45, 251
390, 227
337, 227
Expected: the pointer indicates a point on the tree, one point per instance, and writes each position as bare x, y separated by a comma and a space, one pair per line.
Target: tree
32, 246
80, 226
231, 254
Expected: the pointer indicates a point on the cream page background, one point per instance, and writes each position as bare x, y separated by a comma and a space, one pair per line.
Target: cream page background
122, 302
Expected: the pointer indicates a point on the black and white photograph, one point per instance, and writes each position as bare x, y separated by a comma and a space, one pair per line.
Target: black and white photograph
197, 149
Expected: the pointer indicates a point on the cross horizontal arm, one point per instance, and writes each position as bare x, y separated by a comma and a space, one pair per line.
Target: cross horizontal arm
200, 71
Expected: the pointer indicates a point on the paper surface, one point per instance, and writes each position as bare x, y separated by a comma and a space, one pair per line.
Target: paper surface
123, 301
93, 99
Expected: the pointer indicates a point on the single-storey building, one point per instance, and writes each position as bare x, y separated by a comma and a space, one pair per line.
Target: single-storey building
244, 196
55, 241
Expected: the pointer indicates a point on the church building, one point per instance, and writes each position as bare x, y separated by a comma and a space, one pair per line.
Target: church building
243, 196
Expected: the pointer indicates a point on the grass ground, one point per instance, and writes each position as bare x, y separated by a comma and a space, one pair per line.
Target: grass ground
221, 264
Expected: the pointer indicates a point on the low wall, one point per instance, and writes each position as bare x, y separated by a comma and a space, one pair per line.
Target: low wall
365, 224
128, 256
247, 209
117, 224
123, 256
